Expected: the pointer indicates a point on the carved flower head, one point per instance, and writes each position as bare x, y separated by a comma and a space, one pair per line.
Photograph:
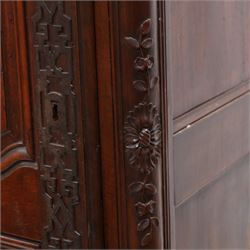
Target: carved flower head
143, 137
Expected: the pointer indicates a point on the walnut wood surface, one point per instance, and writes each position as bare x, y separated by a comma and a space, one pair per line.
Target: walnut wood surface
209, 70
210, 50
17, 203
230, 142
125, 124
21, 204
122, 88
11, 242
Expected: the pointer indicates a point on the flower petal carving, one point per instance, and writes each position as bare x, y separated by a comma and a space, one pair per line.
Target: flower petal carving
142, 137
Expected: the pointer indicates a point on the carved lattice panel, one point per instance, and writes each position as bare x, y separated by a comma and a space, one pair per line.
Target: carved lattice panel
52, 31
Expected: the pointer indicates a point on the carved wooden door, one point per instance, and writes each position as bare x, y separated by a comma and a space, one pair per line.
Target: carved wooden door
47, 103
125, 124
20, 189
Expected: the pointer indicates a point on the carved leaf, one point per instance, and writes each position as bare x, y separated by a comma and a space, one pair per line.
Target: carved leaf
151, 206
150, 61
146, 239
132, 42
136, 186
153, 160
144, 137
153, 81
147, 43
140, 85
141, 208
145, 27
143, 224
151, 189
155, 221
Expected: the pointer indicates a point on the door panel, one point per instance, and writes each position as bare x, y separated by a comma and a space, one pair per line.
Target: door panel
16, 134
209, 50
218, 216
209, 147
125, 124
20, 185
23, 183
50, 97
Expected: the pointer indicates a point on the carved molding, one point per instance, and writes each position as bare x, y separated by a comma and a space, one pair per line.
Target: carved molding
142, 138
17, 144
56, 103
10, 242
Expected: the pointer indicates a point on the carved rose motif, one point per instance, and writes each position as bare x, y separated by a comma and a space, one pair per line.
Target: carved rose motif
142, 63
143, 137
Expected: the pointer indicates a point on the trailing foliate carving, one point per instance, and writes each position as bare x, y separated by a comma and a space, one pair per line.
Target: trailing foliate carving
142, 136
57, 124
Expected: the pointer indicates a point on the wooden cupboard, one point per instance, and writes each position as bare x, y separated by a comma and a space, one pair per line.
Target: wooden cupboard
125, 124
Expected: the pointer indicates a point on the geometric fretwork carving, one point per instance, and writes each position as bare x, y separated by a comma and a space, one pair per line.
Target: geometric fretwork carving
56, 106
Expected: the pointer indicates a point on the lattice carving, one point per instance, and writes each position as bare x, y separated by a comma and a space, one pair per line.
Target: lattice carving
52, 35
142, 135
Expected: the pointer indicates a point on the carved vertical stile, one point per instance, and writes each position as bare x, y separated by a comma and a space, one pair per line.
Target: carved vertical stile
143, 138
52, 36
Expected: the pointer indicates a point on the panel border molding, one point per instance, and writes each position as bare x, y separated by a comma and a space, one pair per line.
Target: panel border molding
8, 241
20, 149
133, 93
191, 117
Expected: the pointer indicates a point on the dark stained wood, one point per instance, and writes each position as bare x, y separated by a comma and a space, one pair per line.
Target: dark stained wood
17, 137
218, 216
21, 204
10, 242
216, 142
3, 108
210, 49
210, 106
89, 212
89, 90
120, 102
167, 127
209, 70
109, 186
125, 124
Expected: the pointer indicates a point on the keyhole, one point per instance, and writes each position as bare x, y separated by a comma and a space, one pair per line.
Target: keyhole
55, 112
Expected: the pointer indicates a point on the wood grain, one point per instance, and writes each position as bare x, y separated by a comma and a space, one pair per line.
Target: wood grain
210, 106
10, 242
21, 206
210, 49
17, 137
214, 143
218, 216
209, 69
117, 97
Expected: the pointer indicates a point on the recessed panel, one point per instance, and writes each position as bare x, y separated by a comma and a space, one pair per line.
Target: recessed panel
205, 149
209, 49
